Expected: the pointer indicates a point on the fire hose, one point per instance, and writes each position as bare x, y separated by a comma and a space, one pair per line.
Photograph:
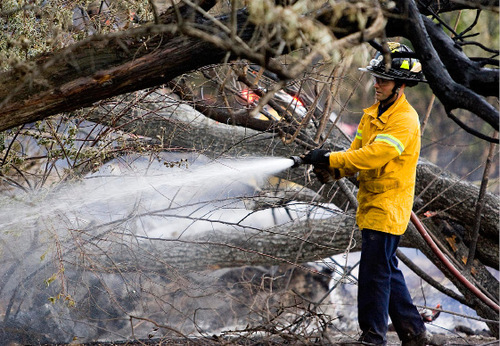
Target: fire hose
423, 232
297, 161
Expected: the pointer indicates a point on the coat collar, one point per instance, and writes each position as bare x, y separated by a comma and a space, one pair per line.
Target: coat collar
372, 111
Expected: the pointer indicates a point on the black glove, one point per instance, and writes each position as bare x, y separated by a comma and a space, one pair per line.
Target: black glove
323, 174
316, 157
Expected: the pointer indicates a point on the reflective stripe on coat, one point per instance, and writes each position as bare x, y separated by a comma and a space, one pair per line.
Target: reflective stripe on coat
385, 152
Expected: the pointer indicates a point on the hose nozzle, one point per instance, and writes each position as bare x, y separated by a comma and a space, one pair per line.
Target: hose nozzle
297, 161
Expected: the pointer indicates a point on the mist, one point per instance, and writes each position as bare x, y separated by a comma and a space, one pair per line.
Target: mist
56, 288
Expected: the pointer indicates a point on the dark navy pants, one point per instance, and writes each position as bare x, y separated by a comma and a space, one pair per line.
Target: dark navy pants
382, 291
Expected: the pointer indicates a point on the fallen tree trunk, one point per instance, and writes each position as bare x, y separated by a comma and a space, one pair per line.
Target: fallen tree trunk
104, 66
315, 239
436, 190
110, 69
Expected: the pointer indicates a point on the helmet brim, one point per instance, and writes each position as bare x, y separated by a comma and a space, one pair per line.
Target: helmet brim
384, 75
376, 74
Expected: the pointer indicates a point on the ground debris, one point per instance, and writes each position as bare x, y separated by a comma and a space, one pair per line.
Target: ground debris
334, 339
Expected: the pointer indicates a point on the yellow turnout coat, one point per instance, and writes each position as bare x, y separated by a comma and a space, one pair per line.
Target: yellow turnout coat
385, 153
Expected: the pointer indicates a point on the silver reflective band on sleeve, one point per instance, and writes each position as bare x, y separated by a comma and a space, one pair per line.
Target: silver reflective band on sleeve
396, 143
359, 134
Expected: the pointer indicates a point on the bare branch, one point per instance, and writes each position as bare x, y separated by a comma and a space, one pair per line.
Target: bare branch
450, 93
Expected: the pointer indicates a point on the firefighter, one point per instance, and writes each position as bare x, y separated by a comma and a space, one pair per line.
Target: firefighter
384, 154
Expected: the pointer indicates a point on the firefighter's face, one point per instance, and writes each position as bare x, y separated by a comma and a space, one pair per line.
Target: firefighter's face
383, 88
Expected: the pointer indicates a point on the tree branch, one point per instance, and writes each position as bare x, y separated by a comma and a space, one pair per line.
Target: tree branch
449, 92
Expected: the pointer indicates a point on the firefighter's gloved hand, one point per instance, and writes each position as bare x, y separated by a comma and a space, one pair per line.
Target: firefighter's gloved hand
323, 173
316, 157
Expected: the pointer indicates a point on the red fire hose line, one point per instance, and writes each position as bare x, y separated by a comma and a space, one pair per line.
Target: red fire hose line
421, 229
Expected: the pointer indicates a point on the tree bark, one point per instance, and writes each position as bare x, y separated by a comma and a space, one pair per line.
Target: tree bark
296, 243
103, 67
76, 78
436, 190
106, 66
456, 199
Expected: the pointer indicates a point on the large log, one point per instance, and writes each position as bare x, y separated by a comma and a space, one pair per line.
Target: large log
436, 189
108, 65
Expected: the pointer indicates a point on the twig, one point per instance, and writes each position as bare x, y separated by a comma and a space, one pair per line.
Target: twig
458, 314
416, 269
480, 205
158, 325
427, 114
155, 11
471, 130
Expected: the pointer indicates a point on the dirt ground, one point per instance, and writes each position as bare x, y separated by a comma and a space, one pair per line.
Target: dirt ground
334, 339
437, 340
